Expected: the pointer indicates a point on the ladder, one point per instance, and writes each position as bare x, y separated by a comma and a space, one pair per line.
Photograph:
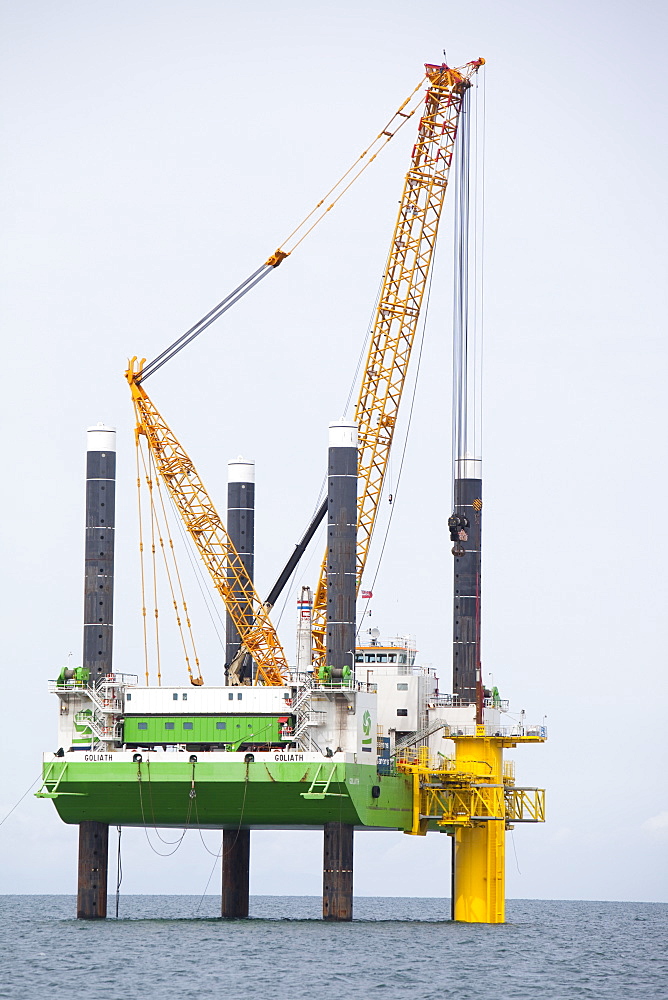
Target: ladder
320, 786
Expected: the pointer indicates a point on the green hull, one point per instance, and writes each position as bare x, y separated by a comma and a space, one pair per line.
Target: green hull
263, 794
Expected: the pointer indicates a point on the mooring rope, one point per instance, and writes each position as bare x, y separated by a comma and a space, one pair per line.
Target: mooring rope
178, 843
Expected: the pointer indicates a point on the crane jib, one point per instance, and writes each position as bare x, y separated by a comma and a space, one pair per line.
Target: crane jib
200, 518
398, 309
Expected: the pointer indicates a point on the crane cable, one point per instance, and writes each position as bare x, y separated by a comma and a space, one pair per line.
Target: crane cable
403, 452
382, 138
141, 563
199, 680
156, 612
396, 122
460, 324
198, 573
151, 477
468, 302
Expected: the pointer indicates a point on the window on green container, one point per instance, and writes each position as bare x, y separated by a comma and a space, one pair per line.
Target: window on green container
221, 725
187, 725
169, 725
142, 725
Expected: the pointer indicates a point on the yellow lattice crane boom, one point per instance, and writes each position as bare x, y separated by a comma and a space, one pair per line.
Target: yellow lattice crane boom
398, 310
208, 532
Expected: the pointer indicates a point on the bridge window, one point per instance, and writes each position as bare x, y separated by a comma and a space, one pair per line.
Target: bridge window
370, 658
359, 657
392, 658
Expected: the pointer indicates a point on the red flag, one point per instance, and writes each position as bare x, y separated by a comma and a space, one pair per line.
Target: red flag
367, 595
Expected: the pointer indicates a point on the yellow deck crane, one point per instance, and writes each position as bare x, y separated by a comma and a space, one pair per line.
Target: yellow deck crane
385, 372
398, 311
249, 614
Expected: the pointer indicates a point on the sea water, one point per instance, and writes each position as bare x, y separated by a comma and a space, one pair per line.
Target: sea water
175, 948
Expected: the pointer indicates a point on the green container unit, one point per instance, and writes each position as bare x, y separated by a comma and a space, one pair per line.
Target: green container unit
204, 730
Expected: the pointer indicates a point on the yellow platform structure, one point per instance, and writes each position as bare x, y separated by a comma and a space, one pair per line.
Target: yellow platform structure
473, 797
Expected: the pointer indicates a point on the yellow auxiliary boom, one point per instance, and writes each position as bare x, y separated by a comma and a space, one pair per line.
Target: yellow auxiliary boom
208, 532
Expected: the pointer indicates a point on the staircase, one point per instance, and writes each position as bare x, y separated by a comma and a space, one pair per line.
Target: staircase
305, 721
420, 737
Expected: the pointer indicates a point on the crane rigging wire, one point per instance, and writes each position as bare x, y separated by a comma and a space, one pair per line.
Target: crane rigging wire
152, 367
396, 122
202, 580
141, 569
480, 265
399, 113
467, 319
156, 612
403, 451
159, 529
460, 320
364, 349
353, 385
177, 575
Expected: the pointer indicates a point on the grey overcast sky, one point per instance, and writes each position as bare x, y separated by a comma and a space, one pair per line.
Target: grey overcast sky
155, 154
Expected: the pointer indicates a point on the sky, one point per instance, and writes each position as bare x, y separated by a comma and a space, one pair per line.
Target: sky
155, 155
